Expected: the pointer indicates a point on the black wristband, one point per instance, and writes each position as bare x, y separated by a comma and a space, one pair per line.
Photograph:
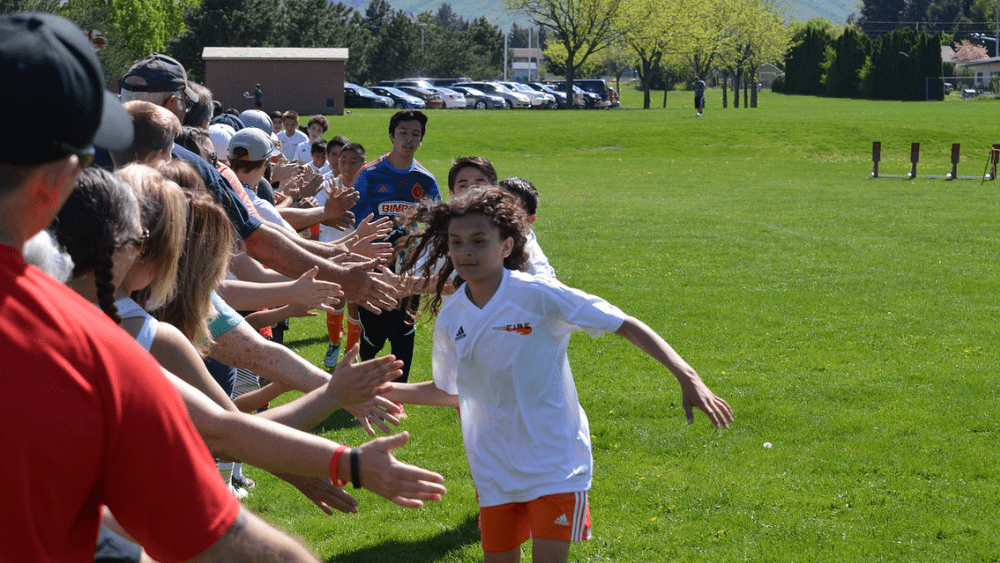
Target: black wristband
355, 473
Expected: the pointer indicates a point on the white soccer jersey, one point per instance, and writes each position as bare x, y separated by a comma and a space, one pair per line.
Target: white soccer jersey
289, 143
525, 433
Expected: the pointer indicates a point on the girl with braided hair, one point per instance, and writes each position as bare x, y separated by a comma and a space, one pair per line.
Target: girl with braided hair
99, 227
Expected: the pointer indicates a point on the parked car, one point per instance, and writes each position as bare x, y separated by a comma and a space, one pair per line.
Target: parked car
590, 99
538, 99
400, 99
360, 97
399, 82
512, 99
451, 98
431, 98
559, 95
596, 86
480, 100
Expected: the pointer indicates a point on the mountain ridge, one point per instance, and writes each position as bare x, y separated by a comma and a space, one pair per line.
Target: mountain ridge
494, 10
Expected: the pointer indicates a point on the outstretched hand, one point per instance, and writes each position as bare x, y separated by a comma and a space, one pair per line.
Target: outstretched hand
354, 383
378, 411
361, 288
314, 293
402, 483
324, 494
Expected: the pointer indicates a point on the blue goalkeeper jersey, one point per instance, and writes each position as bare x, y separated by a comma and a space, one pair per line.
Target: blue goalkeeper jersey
389, 192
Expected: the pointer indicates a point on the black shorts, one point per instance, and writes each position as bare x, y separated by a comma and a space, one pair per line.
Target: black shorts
396, 326
699, 101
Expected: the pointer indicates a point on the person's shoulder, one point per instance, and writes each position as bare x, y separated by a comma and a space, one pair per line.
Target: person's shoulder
526, 279
422, 169
374, 166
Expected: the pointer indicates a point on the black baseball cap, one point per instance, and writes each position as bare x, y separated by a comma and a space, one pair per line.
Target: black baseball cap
51, 75
158, 73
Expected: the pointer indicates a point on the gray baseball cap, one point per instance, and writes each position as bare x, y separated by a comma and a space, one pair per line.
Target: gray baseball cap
256, 143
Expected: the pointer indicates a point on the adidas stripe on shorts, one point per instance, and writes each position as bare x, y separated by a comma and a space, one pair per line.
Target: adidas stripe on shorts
564, 517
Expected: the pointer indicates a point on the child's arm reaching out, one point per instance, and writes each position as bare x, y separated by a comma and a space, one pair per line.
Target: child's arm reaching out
424, 393
694, 392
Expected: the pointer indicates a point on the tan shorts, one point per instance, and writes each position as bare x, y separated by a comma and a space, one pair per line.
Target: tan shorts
564, 517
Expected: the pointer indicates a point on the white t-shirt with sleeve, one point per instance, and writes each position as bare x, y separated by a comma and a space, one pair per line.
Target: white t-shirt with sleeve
525, 433
290, 143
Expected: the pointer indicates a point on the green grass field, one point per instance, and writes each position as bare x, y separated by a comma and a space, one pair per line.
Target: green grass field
850, 322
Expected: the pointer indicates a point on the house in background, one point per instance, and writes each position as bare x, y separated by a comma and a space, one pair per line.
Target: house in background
307, 80
766, 74
985, 71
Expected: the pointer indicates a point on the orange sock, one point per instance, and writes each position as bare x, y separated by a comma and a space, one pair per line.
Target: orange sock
335, 325
353, 332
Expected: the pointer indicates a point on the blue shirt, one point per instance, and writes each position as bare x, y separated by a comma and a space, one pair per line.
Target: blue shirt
388, 192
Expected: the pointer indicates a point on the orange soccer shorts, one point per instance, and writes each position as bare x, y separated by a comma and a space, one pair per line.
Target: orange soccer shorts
564, 517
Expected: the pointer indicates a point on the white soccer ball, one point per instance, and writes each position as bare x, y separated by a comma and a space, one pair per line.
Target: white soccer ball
767, 445
697, 114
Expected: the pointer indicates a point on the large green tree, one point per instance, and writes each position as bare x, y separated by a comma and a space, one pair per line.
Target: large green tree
650, 28
133, 28
845, 63
393, 45
582, 27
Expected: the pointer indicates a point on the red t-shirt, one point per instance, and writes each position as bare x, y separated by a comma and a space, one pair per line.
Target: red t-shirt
88, 419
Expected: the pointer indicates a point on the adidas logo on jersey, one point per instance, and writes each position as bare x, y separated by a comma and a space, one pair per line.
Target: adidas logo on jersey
561, 521
460, 334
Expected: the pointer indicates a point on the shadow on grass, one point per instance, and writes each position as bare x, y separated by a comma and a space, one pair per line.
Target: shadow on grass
304, 342
426, 550
340, 419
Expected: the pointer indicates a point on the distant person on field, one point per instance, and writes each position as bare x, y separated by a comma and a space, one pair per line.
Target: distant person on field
699, 96
258, 98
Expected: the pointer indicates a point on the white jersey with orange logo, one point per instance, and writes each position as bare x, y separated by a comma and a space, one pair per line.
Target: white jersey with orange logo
525, 433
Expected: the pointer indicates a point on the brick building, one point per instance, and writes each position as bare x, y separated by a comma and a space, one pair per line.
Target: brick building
307, 80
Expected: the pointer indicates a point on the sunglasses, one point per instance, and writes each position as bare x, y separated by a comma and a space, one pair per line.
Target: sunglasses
85, 156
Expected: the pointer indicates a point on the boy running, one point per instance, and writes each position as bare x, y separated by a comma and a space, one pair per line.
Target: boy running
389, 186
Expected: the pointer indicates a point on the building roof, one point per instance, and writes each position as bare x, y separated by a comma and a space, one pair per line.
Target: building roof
274, 53
989, 61
948, 54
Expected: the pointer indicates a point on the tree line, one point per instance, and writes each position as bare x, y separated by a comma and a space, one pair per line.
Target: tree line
903, 64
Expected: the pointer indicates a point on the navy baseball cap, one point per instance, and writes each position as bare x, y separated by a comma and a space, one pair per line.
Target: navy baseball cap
158, 73
51, 75
229, 119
